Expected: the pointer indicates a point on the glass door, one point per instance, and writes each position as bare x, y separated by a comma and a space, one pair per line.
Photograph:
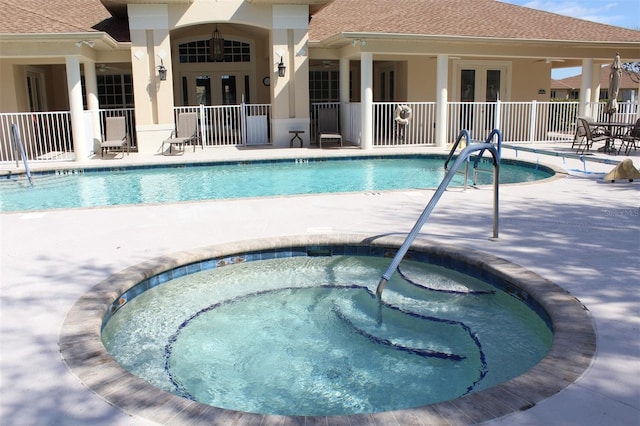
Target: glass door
228, 89
34, 91
215, 88
484, 84
387, 84
203, 90
492, 94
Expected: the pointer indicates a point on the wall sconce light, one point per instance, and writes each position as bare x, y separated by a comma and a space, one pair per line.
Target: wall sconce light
216, 46
282, 68
162, 71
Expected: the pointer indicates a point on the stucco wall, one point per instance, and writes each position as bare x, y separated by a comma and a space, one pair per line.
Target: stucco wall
529, 77
12, 83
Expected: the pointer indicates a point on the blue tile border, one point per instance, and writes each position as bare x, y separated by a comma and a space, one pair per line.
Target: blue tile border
134, 167
478, 271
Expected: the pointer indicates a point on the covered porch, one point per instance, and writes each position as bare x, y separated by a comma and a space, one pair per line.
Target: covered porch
48, 136
274, 67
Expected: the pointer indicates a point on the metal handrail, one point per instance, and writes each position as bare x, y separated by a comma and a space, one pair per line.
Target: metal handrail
464, 156
17, 144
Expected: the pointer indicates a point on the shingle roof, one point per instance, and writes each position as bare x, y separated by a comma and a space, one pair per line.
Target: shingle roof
59, 16
472, 18
574, 82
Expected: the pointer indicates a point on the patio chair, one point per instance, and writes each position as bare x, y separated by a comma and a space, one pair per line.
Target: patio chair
586, 135
328, 129
187, 132
116, 136
630, 139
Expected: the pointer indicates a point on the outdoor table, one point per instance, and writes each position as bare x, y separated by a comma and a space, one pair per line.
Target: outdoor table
296, 134
616, 130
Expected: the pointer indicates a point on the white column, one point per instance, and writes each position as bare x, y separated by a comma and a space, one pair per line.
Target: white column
595, 83
366, 76
150, 48
637, 101
74, 86
584, 109
93, 105
345, 125
441, 100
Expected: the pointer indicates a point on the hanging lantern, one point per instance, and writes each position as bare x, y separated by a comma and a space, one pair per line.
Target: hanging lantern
216, 46
162, 71
282, 68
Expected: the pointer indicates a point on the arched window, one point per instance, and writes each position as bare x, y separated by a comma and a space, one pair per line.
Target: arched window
198, 52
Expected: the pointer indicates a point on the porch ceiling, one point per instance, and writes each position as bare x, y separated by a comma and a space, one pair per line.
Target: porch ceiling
119, 7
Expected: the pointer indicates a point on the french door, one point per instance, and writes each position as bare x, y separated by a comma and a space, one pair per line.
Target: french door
216, 88
482, 83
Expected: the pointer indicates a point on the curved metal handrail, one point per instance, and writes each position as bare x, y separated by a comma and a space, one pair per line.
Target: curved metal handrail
467, 137
17, 144
464, 155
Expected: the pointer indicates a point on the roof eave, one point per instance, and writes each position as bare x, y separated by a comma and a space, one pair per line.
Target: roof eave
346, 38
101, 38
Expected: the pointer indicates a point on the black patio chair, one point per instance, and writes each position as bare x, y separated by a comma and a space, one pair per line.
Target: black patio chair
630, 139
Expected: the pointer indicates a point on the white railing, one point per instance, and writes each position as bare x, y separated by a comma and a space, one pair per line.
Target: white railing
420, 129
627, 112
519, 121
48, 135
45, 135
232, 125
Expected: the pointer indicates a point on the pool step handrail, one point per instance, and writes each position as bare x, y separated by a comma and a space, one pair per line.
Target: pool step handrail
488, 145
17, 145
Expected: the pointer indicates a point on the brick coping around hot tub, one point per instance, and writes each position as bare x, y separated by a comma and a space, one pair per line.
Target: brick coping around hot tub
572, 351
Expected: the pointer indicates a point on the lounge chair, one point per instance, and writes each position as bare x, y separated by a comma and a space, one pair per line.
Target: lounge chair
328, 129
630, 139
116, 136
586, 135
186, 132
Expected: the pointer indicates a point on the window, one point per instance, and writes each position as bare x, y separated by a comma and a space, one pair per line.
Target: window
198, 52
324, 86
115, 91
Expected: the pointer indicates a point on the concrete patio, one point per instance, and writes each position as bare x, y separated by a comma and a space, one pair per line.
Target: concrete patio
575, 230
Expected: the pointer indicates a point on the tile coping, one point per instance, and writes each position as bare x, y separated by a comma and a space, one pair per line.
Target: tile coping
41, 170
571, 354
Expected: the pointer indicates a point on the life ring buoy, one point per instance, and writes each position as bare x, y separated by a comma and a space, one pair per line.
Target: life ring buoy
403, 114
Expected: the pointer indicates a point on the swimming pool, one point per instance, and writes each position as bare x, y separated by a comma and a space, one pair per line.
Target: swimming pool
78, 188
571, 351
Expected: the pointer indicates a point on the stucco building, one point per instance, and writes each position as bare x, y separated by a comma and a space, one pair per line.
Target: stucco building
155, 56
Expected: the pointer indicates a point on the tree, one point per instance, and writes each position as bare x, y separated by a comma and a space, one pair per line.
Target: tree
632, 69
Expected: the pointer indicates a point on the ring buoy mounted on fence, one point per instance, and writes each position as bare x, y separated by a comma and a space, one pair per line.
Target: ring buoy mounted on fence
403, 114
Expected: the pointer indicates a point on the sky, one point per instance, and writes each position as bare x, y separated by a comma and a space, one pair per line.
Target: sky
621, 13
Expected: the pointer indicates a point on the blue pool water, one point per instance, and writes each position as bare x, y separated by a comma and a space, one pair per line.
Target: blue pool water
307, 336
152, 185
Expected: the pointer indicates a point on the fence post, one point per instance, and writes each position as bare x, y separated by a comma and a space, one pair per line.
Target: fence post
203, 125
243, 121
498, 117
532, 120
